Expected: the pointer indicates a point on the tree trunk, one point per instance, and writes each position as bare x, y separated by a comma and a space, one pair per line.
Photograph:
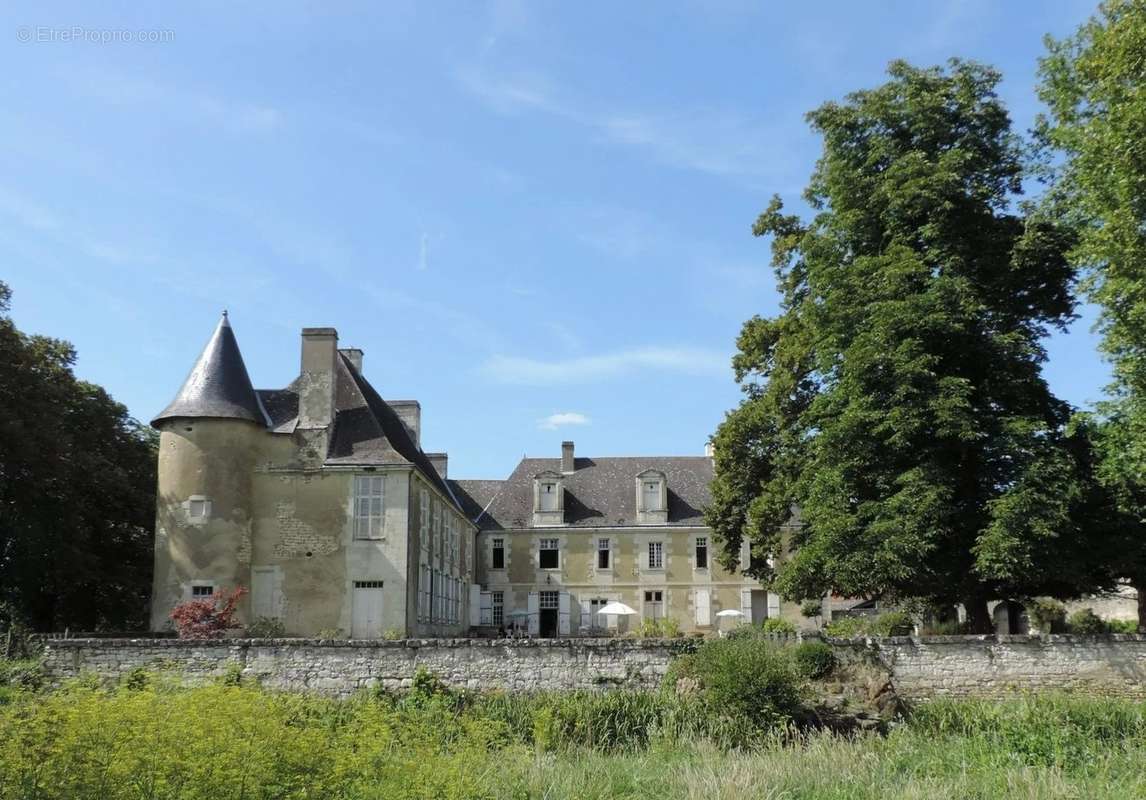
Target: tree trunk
978, 617
1140, 587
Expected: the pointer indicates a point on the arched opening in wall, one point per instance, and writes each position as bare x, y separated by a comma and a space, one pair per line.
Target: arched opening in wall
1011, 618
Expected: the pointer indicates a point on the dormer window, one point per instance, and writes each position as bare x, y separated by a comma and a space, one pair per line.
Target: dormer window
548, 499
652, 498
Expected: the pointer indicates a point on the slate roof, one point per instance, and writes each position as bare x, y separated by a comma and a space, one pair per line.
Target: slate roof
600, 492
218, 386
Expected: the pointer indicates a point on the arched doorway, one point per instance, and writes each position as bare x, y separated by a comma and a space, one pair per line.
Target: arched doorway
1010, 617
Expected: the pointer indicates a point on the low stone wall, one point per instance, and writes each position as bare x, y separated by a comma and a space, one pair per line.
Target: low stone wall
343, 667
918, 667
990, 666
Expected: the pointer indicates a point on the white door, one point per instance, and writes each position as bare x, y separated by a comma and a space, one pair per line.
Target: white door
265, 592
476, 607
534, 610
366, 608
563, 614
702, 606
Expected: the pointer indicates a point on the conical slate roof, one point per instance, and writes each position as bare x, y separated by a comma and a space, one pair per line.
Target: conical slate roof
218, 385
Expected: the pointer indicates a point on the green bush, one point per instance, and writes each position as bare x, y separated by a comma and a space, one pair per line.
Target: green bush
753, 680
25, 674
892, 623
664, 628
1122, 625
777, 625
846, 627
1049, 616
811, 608
1087, 623
266, 628
814, 660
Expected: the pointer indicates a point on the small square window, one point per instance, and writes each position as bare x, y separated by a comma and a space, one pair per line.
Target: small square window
202, 591
197, 509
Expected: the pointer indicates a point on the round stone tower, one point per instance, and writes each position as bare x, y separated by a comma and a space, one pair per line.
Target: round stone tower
209, 440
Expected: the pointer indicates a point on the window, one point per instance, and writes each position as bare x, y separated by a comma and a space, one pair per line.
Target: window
651, 494
548, 600
437, 596
368, 584
424, 589
595, 619
368, 493
202, 590
654, 605
198, 508
702, 552
549, 497
424, 518
656, 555
547, 557
498, 556
498, 607
438, 530
602, 554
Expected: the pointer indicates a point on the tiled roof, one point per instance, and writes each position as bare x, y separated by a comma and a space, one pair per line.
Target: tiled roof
599, 492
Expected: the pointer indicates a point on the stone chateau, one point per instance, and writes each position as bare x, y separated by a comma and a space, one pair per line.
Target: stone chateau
320, 500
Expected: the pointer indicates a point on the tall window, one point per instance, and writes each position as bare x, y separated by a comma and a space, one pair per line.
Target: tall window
652, 495
549, 497
547, 557
424, 518
654, 605
656, 555
424, 590
368, 494
603, 554
497, 600
497, 558
596, 620
702, 552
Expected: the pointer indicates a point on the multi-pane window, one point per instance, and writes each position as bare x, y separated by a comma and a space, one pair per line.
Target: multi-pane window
547, 557
424, 594
548, 600
497, 555
424, 518
651, 491
656, 555
596, 620
702, 552
549, 497
437, 596
368, 496
437, 530
654, 604
202, 591
497, 607
603, 554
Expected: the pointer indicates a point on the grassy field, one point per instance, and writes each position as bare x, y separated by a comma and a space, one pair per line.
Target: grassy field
143, 740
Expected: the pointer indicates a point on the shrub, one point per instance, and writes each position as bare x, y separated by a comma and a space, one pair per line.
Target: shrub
951, 627
847, 627
811, 608
1122, 625
777, 625
266, 628
665, 628
1049, 616
390, 634
814, 660
742, 679
331, 633
892, 623
207, 618
1087, 623
22, 674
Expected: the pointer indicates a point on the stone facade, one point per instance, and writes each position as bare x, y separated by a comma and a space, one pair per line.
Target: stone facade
919, 668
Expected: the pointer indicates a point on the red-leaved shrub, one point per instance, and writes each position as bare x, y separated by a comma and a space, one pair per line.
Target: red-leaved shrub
207, 618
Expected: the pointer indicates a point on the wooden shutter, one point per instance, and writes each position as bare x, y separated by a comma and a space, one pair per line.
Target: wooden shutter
773, 605
533, 608
702, 608
563, 614
475, 604
746, 604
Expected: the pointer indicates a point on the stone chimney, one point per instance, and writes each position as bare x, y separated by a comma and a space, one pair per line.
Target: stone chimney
567, 462
316, 378
440, 462
410, 412
354, 356
710, 450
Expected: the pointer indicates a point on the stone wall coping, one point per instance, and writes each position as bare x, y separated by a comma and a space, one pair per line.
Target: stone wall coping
986, 638
569, 643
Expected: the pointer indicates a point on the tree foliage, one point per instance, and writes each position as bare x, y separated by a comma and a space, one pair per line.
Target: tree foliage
1094, 87
77, 491
897, 400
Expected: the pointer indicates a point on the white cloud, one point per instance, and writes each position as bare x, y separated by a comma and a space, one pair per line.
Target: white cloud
562, 418
584, 369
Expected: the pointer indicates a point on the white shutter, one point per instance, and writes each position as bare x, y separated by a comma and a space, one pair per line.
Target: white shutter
587, 620
773, 606
533, 608
475, 604
746, 604
563, 614
702, 615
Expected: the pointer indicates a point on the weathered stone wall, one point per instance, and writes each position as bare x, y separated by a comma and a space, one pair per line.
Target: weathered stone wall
918, 667
339, 667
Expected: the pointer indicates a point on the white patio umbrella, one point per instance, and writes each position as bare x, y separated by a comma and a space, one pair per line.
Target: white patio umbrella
730, 612
617, 608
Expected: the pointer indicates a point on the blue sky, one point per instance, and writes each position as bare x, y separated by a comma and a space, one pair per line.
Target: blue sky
534, 217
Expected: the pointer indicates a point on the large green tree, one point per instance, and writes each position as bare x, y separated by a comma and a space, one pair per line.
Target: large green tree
1094, 86
77, 492
897, 400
